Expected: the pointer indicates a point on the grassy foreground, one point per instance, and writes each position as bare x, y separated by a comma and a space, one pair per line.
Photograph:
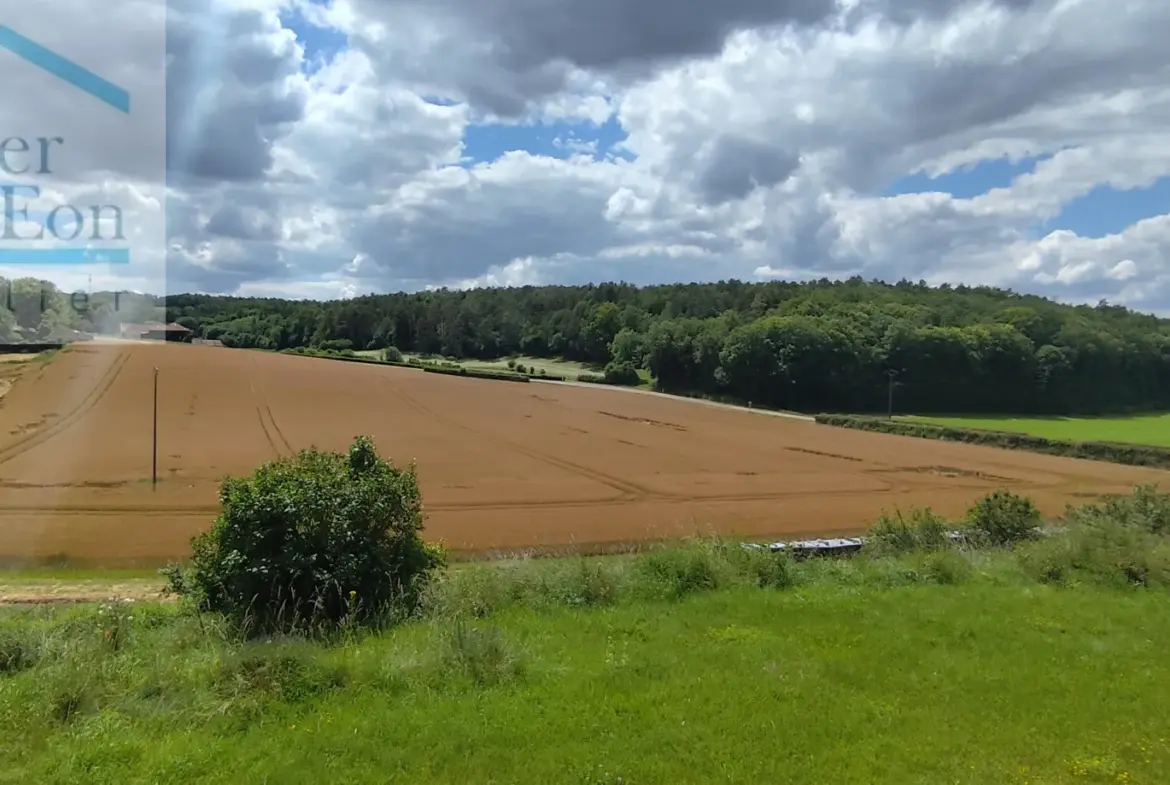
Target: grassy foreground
1149, 429
695, 665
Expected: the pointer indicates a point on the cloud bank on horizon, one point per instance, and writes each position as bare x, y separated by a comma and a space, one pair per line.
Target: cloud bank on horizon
326, 148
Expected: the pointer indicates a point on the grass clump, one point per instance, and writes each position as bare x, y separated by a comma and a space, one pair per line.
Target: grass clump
18, 649
675, 573
289, 672
479, 656
894, 534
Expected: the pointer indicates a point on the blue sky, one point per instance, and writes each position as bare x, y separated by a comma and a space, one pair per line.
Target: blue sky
1099, 213
321, 43
488, 142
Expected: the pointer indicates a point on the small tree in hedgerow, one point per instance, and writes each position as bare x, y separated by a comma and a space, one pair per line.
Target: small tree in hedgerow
313, 542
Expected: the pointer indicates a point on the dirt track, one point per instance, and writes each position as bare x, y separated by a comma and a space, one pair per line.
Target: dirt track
502, 465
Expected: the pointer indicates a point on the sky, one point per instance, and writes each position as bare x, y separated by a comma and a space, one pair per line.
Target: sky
329, 148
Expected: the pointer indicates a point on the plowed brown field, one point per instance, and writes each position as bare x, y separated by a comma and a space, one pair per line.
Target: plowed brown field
502, 465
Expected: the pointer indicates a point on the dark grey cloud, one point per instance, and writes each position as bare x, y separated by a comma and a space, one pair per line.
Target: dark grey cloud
736, 166
231, 265
434, 245
904, 12
229, 96
500, 56
244, 222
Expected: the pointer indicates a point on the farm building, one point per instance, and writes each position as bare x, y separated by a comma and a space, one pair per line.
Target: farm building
156, 331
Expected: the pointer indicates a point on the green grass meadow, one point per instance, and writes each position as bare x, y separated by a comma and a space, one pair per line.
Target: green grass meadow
1145, 429
694, 665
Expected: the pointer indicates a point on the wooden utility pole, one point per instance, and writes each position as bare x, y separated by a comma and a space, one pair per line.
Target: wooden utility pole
154, 449
890, 397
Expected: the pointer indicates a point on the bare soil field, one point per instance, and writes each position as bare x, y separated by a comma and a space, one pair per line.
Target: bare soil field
502, 466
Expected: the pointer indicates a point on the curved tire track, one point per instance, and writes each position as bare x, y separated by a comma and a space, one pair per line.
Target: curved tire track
93, 398
629, 491
272, 433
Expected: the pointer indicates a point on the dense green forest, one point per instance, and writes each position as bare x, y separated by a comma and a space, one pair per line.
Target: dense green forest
819, 346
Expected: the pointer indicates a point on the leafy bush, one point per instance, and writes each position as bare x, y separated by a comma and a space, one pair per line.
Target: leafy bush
520, 368
622, 373
591, 378
392, 354
313, 541
1004, 518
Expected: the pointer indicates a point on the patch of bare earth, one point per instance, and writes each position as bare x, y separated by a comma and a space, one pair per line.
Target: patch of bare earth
64, 592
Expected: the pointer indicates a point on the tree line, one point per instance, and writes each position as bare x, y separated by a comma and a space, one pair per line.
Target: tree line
817, 346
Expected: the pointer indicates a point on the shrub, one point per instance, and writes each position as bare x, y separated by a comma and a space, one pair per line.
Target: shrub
313, 541
521, 368
392, 354
511, 362
622, 373
1004, 518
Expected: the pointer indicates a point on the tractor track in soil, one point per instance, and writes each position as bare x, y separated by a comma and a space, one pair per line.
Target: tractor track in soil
272, 433
59, 426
